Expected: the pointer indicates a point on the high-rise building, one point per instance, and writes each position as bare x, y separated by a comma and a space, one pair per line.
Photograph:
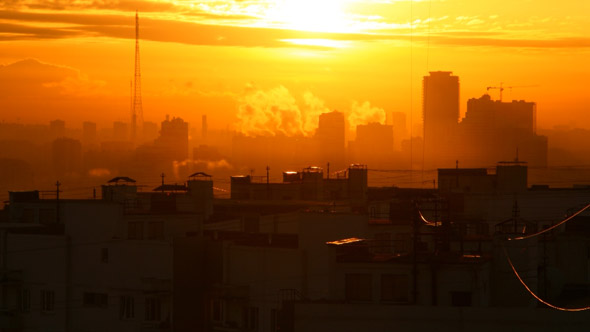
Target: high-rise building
57, 128
88, 132
331, 139
174, 137
149, 131
120, 131
373, 145
493, 131
400, 130
66, 154
440, 115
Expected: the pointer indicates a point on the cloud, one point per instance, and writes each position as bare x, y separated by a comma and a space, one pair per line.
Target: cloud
30, 77
216, 27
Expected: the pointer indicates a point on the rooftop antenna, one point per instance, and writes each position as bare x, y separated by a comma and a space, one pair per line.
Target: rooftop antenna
137, 111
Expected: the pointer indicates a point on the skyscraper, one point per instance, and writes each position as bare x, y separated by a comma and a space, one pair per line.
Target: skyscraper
440, 115
331, 139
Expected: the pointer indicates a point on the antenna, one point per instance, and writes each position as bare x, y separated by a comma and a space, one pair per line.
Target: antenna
137, 111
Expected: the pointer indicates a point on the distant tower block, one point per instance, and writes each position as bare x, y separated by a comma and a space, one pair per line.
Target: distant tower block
331, 128
204, 128
441, 116
137, 109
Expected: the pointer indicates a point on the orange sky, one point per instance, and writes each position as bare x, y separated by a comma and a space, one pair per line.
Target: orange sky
212, 57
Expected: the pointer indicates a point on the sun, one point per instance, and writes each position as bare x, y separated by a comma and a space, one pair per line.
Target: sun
311, 15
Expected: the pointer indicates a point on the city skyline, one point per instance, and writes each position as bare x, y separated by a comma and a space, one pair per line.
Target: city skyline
294, 165
374, 53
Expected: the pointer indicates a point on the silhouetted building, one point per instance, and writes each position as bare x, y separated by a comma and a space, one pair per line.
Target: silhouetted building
57, 128
150, 131
440, 115
373, 145
204, 128
330, 134
120, 131
88, 132
494, 130
66, 154
174, 138
400, 130
307, 185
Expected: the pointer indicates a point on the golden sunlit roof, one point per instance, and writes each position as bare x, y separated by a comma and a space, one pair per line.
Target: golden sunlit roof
345, 241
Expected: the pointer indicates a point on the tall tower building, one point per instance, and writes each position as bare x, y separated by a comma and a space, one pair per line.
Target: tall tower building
440, 111
331, 139
88, 132
137, 108
174, 138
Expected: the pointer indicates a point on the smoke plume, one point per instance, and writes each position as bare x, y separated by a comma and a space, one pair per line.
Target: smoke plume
361, 114
276, 112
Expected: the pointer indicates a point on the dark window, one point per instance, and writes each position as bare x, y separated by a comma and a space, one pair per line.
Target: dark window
98, 300
461, 299
274, 320
358, 287
47, 301
217, 310
394, 288
104, 255
135, 230
47, 216
153, 308
155, 230
28, 216
126, 307
383, 243
25, 300
250, 318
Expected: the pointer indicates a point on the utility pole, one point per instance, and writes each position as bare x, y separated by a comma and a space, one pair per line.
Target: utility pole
57, 184
267, 182
162, 176
328, 171
415, 253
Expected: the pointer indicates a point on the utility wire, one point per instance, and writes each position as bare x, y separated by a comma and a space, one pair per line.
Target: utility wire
549, 228
532, 293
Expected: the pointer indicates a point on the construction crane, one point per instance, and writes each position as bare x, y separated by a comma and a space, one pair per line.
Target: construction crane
502, 87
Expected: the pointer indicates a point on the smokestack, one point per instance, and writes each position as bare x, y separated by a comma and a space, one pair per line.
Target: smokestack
204, 127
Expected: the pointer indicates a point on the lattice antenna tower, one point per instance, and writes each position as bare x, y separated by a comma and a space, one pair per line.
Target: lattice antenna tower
137, 109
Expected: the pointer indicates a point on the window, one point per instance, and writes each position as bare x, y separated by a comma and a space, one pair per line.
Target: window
155, 230
358, 287
383, 243
126, 307
47, 301
217, 310
394, 288
47, 216
401, 243
152, 309
461, 299
98, 300
25, 300
274, 320
28, 216
104, 255
135, 230
250, 318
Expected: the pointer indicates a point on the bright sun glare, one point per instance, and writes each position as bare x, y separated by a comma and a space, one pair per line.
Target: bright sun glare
311, 15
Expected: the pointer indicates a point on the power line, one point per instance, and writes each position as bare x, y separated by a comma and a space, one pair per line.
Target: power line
531, 292
549, 228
